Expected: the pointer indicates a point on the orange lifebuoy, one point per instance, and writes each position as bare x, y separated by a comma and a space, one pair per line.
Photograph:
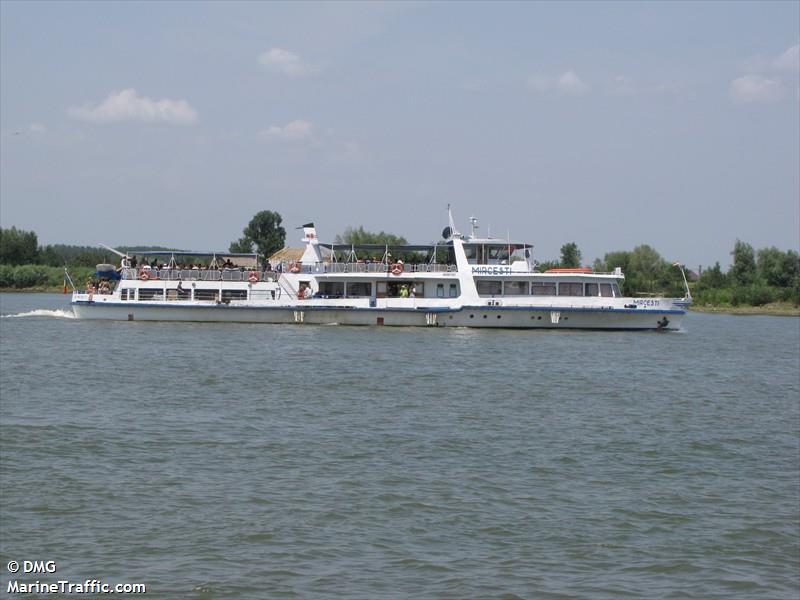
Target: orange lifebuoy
294, 267
144, 276
252, 277
396, 269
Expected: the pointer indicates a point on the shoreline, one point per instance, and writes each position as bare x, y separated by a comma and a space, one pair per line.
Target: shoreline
777, 309
771, 310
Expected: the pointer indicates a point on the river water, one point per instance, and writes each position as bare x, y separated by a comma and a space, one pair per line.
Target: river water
267, 461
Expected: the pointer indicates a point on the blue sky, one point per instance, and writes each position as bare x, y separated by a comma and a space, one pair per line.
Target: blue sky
608, 124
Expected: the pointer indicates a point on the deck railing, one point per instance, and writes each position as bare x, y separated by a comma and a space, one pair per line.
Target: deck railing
375, 267
155, 274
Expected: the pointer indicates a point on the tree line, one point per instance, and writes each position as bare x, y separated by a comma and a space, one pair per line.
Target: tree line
19, 247
754, 278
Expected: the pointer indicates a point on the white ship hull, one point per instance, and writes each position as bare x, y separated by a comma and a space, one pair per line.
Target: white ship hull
476, 316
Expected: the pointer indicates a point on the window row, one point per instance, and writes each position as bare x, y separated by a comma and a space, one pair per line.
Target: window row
547, 288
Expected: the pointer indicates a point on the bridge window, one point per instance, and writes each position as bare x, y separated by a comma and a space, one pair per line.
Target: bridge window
543, 288
570, 289
489, 288
515, 288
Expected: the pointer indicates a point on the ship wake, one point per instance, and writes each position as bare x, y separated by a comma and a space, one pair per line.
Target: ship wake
57, 314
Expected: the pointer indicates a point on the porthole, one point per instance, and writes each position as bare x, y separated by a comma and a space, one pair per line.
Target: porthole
498, 316
539, 318
485, 316
472, 316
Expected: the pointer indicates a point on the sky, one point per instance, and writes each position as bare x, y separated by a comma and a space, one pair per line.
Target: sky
610, 124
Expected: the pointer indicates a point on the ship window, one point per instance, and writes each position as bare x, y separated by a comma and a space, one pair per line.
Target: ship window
570, 289
498, 252
440, 290
228, 295
515, 288
470, 252
605, 290
543, 288
331, 289
150, 294
489, 288
359, 289
205, 294
592, 289
454, 290
617, 293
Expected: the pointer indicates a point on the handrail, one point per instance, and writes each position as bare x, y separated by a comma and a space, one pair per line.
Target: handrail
371, 267
154, 274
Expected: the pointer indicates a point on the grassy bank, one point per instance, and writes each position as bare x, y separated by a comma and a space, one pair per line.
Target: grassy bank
40, 278
776, 309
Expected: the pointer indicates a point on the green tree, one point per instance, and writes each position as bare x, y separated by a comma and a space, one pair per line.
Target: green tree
264, 231
570, 255
743, 270
18, 247
778, 268
612, 260
712, 278
646, 269
358, 236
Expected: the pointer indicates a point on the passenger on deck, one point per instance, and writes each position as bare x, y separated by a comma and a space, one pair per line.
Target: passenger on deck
404, 291
89, 287
307, 292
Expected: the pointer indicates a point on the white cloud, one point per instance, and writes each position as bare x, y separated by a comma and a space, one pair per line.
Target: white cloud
296, 131
568, 83
755, 88
128, 106
789, 60
286, 62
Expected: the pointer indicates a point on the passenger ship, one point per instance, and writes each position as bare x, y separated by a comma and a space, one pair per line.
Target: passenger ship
464, 281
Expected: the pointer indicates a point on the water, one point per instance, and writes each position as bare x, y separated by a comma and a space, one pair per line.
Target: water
265, 461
